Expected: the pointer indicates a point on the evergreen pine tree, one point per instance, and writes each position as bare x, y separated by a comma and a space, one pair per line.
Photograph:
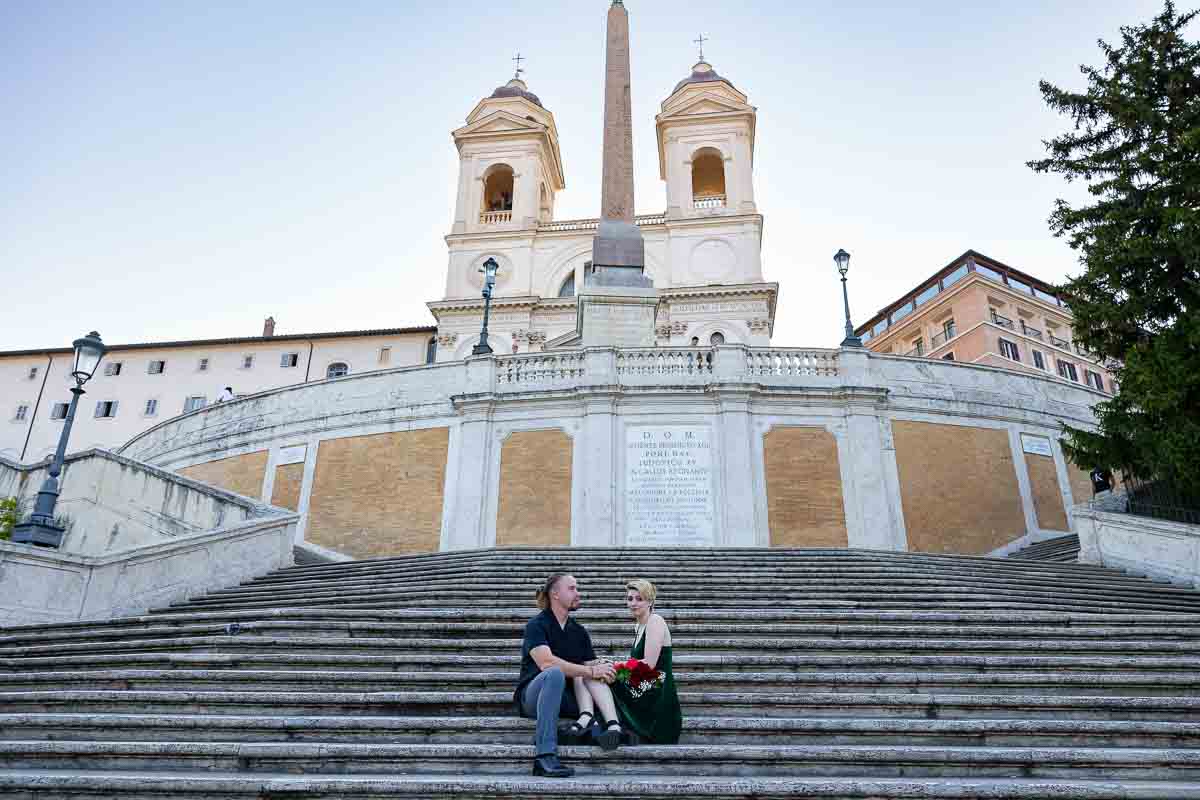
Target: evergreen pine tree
1135, 143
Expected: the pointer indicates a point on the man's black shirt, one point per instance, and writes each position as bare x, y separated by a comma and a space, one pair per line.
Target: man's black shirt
570, 643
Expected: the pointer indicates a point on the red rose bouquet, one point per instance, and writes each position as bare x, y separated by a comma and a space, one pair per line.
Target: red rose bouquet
639, 676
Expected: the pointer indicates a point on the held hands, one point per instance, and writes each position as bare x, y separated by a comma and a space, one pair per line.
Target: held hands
604, 671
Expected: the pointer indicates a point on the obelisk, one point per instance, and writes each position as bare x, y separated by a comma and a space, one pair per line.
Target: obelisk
618, 301
618, 252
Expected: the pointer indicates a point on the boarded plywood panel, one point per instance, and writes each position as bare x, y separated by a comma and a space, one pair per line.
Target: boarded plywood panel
379, 495
804, 488
289, 479
1047, 495
239, 474
535, 490
958, 486
1081, 483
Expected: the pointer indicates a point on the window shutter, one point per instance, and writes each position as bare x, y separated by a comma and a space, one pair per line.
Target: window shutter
283, 360
113, 410
99, 409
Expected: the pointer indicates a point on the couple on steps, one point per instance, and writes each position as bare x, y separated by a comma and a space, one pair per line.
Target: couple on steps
561, 677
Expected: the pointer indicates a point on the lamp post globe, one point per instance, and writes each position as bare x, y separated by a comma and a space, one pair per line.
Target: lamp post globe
842, 259
489, 270
41, 529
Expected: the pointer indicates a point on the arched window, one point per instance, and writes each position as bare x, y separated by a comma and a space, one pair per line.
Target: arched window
695, 341
716, 339
708, 179
337, 369
568, 287
431, 350
498, 189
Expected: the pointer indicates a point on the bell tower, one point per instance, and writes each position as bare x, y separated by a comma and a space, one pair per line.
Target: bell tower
706, 147
510, 167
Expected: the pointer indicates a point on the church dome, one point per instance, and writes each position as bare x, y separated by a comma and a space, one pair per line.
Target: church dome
517, 88
703, 72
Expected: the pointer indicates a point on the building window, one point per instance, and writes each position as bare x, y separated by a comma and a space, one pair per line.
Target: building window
202, 365
930, 292
157, 367
22, 413
902, 312
1039, 360
956, 276
1009, 350
1067, 370
385, 355
431, 350
33, 373
568, 287
337, 369
59, 410
989, 273
716, 339
248, 361
948, 357
151, 407
112, 369
498, 189
948, 329
194, 403
708, 179
1094, 380
106, 409
918, 347
288, 360
880, 327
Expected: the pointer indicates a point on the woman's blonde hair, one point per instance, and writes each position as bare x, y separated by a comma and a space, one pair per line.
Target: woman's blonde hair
543, 592
643, 587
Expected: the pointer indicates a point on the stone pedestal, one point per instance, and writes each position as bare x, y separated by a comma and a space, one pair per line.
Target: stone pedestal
619, 316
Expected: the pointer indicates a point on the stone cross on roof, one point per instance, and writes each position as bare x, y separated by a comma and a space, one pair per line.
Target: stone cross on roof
701, 42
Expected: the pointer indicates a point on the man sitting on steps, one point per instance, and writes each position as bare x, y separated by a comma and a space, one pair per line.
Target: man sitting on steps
556, 648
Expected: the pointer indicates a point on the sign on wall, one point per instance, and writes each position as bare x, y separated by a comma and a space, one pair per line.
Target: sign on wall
291, 455
669, 486
1037, 445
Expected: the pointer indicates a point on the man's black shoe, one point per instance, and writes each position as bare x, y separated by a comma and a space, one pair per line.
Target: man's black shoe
548, 766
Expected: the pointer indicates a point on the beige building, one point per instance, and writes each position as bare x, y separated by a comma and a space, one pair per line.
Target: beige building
980, 311
141, 385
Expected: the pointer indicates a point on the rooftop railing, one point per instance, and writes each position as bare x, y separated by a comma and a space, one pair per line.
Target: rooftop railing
717, 201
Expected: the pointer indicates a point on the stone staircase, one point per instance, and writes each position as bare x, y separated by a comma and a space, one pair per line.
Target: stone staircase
803, 673
1061, 548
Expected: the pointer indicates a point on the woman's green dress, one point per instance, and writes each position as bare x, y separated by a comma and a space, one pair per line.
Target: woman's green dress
655, 716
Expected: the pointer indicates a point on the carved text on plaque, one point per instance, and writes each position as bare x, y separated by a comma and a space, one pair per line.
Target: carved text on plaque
669, 486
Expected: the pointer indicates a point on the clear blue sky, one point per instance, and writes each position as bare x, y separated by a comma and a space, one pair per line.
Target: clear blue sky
174, 170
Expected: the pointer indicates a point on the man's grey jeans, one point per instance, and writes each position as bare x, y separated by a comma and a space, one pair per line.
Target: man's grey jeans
542, 700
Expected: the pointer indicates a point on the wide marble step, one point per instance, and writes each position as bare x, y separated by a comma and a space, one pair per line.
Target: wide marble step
513, 730
499, 703
214, 784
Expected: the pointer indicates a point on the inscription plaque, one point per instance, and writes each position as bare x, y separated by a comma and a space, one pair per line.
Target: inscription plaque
668, 486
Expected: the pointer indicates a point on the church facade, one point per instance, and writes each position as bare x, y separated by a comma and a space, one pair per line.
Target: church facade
703, 252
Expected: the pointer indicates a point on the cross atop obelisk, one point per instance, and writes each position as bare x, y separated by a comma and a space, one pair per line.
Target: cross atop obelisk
618, 252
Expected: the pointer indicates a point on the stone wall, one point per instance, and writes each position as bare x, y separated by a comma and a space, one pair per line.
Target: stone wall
1141, 545
913, 453
804, 488
535, 490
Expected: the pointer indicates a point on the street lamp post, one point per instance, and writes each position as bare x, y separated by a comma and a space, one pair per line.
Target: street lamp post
842, 259
41, 529
489, 270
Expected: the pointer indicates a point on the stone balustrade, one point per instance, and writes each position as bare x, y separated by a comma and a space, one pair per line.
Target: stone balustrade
495, 217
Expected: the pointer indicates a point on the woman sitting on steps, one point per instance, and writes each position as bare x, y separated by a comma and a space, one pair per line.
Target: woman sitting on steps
655, 716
